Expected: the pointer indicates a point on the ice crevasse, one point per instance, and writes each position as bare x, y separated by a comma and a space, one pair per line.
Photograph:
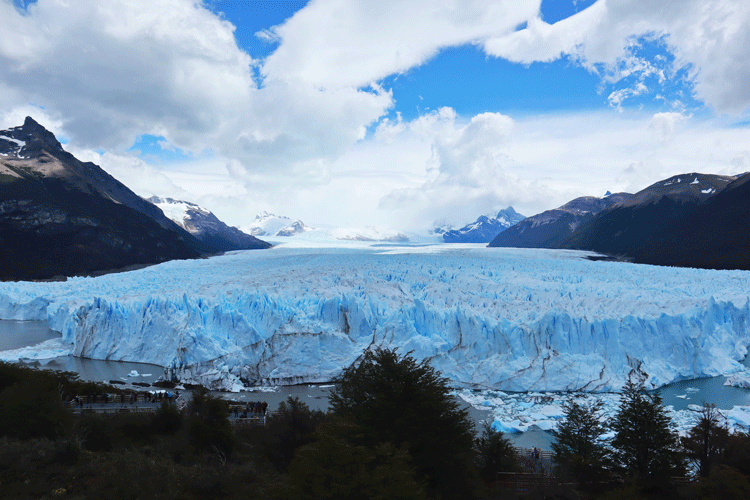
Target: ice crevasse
506, 319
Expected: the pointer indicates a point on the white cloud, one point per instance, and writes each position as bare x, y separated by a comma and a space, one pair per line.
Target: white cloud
663, 124
709, 38
113, 70
103, 73
464, 175
334, 43
541, 162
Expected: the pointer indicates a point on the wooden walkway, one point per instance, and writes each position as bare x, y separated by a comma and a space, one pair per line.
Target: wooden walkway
140, 404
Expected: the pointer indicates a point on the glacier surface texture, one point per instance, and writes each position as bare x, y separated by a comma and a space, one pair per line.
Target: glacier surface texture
495, 318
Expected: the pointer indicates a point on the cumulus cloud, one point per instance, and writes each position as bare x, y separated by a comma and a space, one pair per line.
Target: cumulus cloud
111, 71
663, 124
464, 175
103, 73
333, 43
536, 163
708, 39
114, 70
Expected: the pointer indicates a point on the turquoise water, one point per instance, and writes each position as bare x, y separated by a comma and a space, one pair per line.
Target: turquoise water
17, 334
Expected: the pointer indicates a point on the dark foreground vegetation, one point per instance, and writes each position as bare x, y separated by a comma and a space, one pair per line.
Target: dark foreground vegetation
393, 432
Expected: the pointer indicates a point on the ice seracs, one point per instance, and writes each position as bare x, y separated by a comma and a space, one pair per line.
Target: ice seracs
507, 319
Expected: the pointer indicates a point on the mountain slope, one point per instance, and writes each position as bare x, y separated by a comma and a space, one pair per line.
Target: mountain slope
553, 228
690, 220
60, 216
484, 229
205, 226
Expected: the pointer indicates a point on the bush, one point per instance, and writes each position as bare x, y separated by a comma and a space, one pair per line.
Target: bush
334, 467
30, 405
494, 454
167, 419
290, 427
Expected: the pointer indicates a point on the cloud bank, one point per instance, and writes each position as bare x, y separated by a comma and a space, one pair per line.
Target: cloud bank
289, 133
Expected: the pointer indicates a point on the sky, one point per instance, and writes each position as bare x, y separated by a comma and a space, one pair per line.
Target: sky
400, 115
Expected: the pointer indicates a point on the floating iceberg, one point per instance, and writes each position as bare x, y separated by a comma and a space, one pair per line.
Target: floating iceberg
739, 380
500, 318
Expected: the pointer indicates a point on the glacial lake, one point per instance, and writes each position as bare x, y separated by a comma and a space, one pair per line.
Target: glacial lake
18, 334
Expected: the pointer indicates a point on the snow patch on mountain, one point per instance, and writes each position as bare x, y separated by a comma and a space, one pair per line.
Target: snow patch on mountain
483, 230
179, 211
266, 224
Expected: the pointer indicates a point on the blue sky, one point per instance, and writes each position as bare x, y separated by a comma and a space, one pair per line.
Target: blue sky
387, 113
463, 77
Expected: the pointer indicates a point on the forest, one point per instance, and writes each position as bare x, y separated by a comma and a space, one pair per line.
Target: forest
392, 431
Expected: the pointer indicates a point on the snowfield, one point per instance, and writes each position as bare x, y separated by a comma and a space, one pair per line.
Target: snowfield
493, 318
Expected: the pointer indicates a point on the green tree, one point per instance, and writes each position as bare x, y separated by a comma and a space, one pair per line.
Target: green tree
167, 418
737, 453
395, 399
577, 449
30, 404
290, 427
494, 453
335, 467
707, 440
645, 445
209, 428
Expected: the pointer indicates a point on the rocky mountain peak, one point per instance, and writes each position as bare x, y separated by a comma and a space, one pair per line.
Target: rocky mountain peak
36, 138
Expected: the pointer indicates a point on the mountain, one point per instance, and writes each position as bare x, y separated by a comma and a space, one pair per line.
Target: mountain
60, 216
266, 224
689, 220
484, 229
552, 229
205, 226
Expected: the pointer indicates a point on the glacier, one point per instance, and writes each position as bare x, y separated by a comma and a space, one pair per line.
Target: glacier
494, 318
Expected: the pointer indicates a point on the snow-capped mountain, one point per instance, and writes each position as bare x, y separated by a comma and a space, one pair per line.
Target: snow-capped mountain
266, 224
61, 216
484, 229
693, 220
205, 226
688, 220
551, 229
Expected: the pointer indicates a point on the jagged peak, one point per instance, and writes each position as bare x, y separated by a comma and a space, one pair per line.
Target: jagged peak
508, 212
34, 135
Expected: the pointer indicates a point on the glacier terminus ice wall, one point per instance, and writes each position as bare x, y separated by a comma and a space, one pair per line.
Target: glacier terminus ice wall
507, 319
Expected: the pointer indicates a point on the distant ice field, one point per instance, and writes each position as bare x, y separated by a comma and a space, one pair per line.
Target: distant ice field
494, 318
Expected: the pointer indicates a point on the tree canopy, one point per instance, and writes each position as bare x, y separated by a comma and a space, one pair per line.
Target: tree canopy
707, 440
645, 444
577, 448
395, 399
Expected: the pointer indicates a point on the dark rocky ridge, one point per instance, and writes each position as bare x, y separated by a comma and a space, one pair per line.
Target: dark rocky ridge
552, 229
690, 220
63, 217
